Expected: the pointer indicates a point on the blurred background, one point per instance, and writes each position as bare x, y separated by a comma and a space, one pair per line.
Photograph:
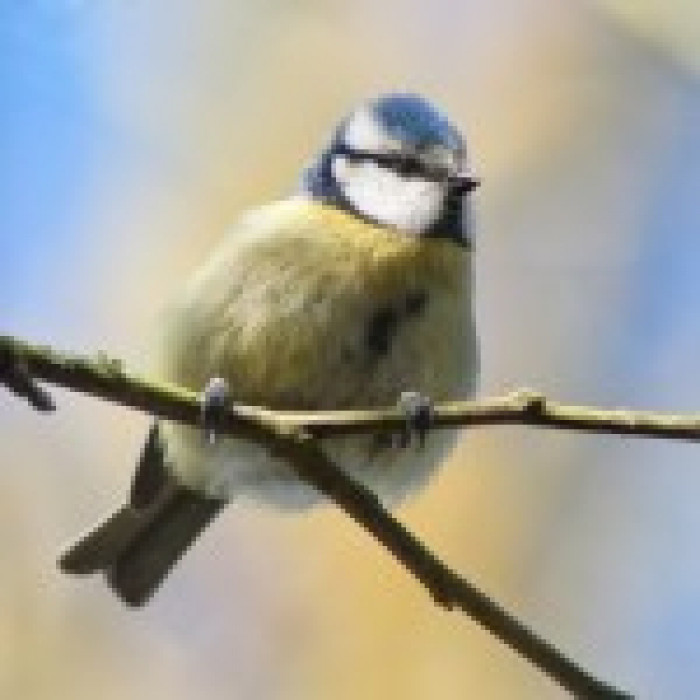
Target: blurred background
134, 132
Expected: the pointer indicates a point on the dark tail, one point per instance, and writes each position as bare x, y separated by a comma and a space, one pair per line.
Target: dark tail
139, 544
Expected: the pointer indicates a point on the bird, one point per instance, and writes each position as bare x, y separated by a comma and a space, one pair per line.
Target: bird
354, 291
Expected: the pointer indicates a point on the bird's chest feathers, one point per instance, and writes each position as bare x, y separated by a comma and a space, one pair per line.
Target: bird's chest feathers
345, 317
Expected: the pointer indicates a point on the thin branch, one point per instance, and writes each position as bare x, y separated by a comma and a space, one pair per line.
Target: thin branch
16, 376
292, 437
523, 407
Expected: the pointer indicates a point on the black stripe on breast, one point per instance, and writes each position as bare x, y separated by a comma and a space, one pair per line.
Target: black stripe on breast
384, 323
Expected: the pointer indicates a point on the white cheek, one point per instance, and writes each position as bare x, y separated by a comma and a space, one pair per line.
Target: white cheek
410, 204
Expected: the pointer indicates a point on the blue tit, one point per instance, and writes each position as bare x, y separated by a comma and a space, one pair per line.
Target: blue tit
352, 290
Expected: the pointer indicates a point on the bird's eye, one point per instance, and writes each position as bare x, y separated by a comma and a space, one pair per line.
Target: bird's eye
401, 163
410, 166
404, 164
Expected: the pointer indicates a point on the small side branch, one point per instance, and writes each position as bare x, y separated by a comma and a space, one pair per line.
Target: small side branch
293, 436
15, 375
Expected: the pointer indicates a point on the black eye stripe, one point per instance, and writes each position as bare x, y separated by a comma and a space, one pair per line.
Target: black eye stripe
401, 163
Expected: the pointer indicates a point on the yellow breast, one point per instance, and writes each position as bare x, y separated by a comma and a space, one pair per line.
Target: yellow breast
281, 309
387, 259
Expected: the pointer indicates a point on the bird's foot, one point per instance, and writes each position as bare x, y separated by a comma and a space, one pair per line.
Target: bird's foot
418, 414
213, 402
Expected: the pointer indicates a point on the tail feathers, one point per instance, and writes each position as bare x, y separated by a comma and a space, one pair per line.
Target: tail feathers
137, 548
138, 545
99, 548
139, 569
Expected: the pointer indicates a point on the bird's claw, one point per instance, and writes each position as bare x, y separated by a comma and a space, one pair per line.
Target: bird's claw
418, 415
213, 401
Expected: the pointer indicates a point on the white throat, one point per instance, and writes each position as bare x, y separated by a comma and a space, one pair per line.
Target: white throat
411, 204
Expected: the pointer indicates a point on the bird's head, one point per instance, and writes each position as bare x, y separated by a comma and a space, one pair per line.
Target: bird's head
397, 161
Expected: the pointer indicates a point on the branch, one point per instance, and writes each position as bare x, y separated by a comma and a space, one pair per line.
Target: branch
523, 407
292, 436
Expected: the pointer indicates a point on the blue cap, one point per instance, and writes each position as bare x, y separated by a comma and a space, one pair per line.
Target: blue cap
413, 120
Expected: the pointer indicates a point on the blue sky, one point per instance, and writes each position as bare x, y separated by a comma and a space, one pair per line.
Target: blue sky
46, 133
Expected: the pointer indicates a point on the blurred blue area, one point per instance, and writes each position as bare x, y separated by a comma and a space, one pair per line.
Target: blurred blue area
662, 350
667, 285
46, 131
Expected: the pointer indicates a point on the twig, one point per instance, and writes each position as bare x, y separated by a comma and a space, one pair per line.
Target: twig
14, 373
292, 436
523, 407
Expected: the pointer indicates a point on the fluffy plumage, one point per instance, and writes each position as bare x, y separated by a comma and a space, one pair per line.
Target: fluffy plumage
342, 296
283, 311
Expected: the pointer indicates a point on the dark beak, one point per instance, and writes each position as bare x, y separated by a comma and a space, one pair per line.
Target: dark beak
462, 184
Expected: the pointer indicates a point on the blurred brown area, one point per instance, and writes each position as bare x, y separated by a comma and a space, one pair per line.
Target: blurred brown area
214, 106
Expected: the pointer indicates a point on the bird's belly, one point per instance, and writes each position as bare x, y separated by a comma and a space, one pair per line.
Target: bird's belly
234, 468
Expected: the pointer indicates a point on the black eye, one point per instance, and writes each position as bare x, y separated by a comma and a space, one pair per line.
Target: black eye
409, 166
406, 165
403, 164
